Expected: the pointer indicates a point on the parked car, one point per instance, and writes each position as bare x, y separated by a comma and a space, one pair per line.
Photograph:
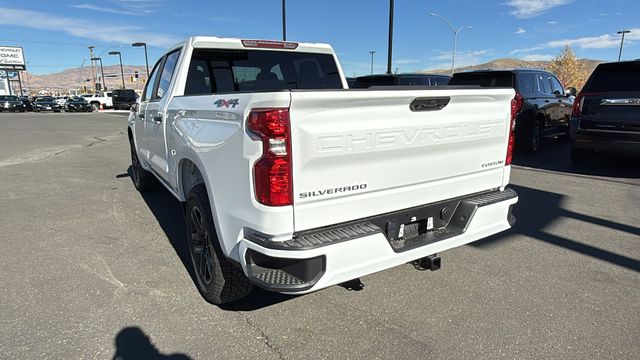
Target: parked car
363, 82
293, 183
28, 104
45, 103
77, 104
606, 113
123, 99
96, 100
544, 106
60, 100
11, 103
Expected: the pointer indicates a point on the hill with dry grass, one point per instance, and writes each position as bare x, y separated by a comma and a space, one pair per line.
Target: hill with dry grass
508, 63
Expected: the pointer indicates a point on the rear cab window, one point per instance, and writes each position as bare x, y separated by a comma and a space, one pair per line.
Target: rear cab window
222, 71
484, 79
623, 76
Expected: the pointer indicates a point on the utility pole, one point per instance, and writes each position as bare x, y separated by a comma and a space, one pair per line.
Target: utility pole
390, 36
104, 84
93, 70
284, 20
455, 39
622, 41
372, 52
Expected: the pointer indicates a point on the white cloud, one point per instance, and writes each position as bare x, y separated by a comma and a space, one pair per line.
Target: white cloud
107, 32
103, 9
406, 61
536, 57
529, 8
442, 59
521, 31
604, 41
552, 22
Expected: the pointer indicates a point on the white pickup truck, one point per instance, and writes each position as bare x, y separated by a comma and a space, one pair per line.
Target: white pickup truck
105, 99
292, 182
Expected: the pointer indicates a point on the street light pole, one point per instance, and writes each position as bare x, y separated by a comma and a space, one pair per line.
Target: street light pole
121, 70
622, 41
391, 6
146, 57
455, 39
104, 84
372, 52
284, 20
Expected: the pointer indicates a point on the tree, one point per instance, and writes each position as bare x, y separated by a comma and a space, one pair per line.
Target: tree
571, 71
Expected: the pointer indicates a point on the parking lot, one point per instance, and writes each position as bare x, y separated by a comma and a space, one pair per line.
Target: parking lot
92, 269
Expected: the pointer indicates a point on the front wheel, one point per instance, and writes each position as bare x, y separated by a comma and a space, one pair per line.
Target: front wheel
217, 279
95, 106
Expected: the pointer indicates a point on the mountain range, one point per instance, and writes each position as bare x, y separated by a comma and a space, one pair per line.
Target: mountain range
73, 78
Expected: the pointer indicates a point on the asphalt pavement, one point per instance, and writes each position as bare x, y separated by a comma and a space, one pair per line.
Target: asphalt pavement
91, 269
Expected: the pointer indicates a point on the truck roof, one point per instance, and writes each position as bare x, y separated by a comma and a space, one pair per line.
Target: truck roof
213, 42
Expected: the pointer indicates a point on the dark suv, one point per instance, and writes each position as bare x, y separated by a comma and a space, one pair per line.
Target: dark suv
123, 99
545, 106
606, 113
364, 82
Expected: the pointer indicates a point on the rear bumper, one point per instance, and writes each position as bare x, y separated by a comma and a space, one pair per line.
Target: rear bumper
324, 257
614, 143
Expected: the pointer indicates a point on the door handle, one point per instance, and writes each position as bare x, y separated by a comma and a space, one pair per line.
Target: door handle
158, 117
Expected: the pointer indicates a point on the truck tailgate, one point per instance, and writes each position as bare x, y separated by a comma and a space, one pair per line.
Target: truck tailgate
360, 153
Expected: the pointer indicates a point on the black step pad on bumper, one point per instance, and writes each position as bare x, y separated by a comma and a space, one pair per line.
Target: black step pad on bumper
450, 218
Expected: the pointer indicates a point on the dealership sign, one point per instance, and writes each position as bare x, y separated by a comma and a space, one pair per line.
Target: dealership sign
11, 58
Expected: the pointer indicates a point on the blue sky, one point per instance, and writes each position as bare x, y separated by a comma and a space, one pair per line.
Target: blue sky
55, 34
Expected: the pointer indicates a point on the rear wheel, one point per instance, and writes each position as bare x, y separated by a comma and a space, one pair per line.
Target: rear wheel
532, 139
217, 279
95, 106
142, 179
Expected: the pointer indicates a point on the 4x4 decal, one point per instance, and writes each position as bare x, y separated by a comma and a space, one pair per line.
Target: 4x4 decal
227, 102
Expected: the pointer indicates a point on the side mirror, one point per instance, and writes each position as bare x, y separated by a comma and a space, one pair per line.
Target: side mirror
570, 91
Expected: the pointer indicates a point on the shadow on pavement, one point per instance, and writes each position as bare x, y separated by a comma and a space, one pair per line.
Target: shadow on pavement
537, 209
554, 156
168, 211
133, 344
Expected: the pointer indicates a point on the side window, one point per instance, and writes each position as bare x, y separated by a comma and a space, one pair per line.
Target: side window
148, 90
167, 72
526, 82
556, 87
439, 81
544, 86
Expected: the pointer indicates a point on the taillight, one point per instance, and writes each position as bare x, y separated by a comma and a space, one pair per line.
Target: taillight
578, 102
516, 106
272, 173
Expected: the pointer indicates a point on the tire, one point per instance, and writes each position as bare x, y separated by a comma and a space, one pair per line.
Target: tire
218, 281
531, 139
579, 156
95, 106
142, 179
56, 111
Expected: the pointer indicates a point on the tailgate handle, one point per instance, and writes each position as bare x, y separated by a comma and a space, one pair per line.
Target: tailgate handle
429, 103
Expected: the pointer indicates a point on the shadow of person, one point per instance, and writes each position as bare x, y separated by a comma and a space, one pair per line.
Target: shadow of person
132, 343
